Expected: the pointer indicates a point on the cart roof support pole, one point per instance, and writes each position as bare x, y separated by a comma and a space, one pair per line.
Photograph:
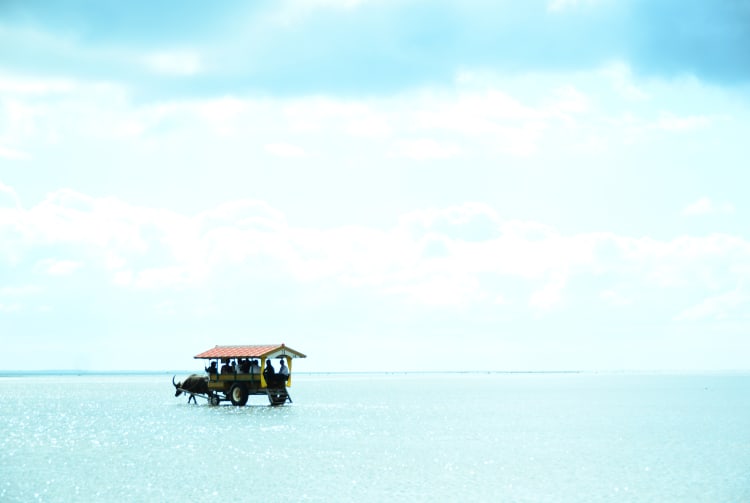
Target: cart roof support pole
289, 365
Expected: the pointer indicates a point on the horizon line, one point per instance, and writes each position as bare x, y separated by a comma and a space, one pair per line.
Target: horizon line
74, 372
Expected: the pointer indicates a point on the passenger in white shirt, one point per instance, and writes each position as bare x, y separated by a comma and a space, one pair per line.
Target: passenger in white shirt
254, 367
283, 371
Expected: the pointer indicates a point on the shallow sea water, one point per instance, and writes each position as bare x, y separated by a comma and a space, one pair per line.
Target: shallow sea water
381, 437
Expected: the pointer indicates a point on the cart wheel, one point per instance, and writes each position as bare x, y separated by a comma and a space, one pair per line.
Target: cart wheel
213, 400
238, 394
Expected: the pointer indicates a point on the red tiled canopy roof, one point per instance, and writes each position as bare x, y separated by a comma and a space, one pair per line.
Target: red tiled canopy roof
256, 351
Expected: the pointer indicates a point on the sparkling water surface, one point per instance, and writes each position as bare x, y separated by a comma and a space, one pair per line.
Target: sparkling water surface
381, 437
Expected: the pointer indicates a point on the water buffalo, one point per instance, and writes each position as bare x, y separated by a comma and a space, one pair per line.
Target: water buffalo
194, 383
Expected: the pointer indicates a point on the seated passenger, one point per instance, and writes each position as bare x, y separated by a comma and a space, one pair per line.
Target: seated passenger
269, 373
211, 369
283, 371
245, 365
227, 368
254, 367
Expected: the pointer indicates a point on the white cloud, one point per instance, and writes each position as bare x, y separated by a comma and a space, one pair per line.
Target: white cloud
160, 278
705, 206
14, 84
286, 150
568, 102
227, 116
4, 189
550, 295
486, 116
370, 126
615, 298
492, 117
55, 267
424, 149
475, 113
683, 262
562, 5
671, 122
440, 291
717, 307
621, 79
67, 216
459, 255
316, 114
17, 291
122, 278
455, 214
14, 154
243, 213
168, 307
182, 62
342, 4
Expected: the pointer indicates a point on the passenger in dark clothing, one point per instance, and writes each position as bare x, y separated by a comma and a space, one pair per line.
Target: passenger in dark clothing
211, 369
245, 366
269, 369
227, 368
277, 378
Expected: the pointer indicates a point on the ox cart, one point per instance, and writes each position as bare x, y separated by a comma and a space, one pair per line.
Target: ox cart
236, 372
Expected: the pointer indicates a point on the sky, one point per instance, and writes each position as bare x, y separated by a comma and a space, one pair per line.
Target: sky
412, 185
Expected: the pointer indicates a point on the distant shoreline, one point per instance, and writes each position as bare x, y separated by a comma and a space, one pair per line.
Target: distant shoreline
82, 373
6, 373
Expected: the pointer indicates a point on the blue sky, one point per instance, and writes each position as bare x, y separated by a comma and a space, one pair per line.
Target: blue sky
382, 185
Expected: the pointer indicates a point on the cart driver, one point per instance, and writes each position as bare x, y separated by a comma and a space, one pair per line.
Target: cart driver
211, 369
